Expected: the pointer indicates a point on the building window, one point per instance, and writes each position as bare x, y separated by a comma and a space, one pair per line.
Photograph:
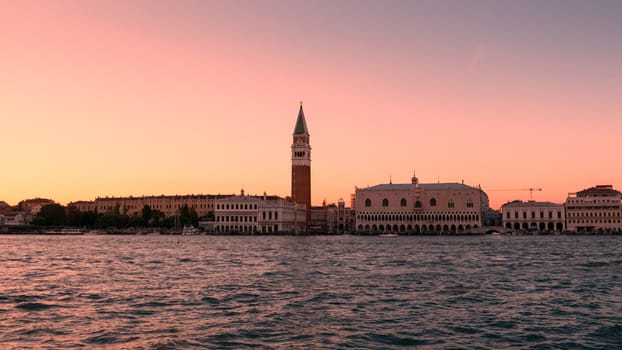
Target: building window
469, 203
403, 202
533, 214
508, 215
368, 202
417, 204
450, 204
385, 202
433, 202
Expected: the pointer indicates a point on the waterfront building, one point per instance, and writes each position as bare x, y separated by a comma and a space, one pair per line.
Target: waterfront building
203, 204
534, 216
420, 208
340, 218
5, 208
31, 207
318, 219
331, 218
301, 163
257, 214
14, 218
594, 209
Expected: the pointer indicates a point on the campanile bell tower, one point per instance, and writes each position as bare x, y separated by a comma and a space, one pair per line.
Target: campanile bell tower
301, 163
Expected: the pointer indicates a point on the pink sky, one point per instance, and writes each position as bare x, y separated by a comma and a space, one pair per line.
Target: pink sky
115, 98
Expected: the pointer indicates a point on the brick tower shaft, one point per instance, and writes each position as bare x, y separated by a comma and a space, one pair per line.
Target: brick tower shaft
301, 163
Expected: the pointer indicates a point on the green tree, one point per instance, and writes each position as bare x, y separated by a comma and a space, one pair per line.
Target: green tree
188, 216
158, 217
147, 215
54, 215
194, 218
39, 221
73, 216
168, 222
113, 218
88, 219
136, 221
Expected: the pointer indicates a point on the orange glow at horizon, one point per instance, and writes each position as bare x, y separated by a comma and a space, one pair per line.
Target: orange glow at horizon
155, 97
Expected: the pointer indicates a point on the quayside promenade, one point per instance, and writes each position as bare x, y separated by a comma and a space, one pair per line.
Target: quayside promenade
147, 231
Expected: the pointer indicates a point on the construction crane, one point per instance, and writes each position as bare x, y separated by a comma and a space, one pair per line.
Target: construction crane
530, 189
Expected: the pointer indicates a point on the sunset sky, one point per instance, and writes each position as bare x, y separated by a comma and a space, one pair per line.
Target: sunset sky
116, 98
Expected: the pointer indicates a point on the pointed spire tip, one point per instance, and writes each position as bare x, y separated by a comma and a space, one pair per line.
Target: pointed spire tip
301, 124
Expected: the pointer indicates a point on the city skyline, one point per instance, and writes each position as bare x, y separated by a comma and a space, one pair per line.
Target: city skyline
149, 97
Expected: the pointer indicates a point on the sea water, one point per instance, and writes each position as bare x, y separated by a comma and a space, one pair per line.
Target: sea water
196, 292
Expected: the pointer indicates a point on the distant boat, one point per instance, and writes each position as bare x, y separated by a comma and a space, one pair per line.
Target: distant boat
63, 231
388, 235
190, 230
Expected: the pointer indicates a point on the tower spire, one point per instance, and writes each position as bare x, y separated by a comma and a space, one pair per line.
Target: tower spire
301, 123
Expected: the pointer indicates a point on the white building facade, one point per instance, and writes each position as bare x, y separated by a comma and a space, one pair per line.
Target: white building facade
596, 209
257, 214
534, 216
451, 208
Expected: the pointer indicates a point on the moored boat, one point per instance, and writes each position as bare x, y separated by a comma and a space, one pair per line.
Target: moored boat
190, 230
64, 231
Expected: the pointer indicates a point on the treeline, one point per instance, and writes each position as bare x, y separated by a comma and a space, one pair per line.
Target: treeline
59, 215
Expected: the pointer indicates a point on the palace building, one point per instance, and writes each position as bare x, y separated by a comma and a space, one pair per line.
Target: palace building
416, 208
594, 209
301, 163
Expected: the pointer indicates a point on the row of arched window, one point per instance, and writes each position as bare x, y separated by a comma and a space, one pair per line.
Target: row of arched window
247, 228
533, 214
416, 229
433, 203
419, 217
551, 226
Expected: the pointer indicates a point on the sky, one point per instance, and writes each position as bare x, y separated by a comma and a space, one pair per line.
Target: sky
149, 97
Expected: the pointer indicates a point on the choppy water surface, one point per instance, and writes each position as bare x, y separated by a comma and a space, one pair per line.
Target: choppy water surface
149, 292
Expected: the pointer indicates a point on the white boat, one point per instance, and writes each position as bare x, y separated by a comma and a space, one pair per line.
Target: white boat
64, 231
190, 230
388, 235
